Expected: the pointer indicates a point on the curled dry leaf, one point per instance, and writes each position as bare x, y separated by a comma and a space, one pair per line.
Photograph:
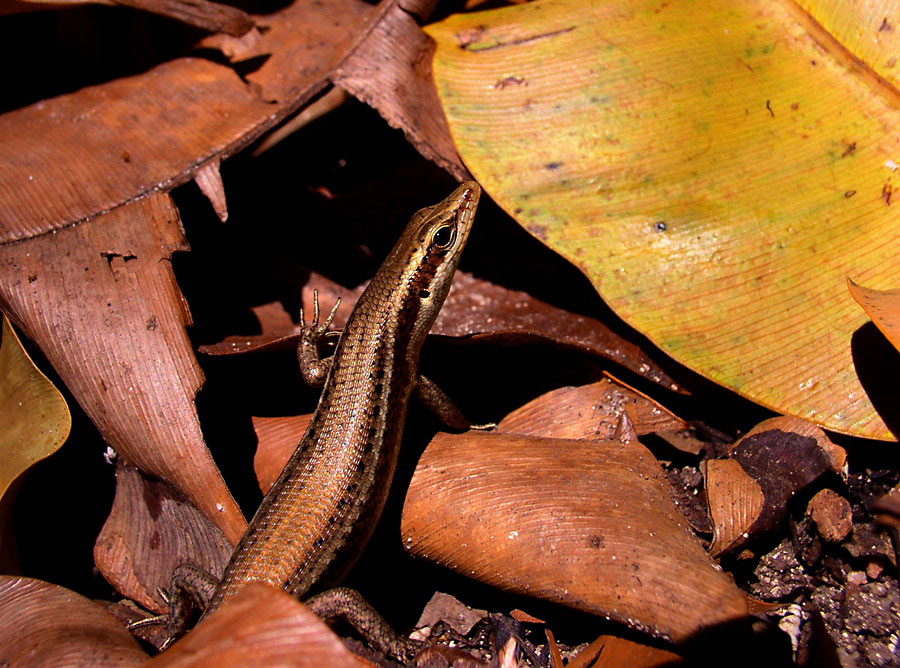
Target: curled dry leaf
619, 652
36, 420
209, 179
102, 303
151, 530
474, 308
391, 71
66, 166
591, 411
882, 306
779, 457
100, 299
587, 524
204, 14
277, 330
450, 610
277, 438
47, 625
260, 626
735, 501
887, 508
70, 158
479, 308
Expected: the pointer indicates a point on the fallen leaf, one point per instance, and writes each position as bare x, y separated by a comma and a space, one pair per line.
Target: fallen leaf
70, 158
779, 457
200, 13
277, 438
735, 500
591, 412
524, 617
887, 508
587, 524
80, 158
722, 201
47, 625
474, 308
882, 306
450, 610
101, 302
555, 656
36, 420
151, 530
623, 653
391, 71
569, 412
260, 626
588, 654
683, 440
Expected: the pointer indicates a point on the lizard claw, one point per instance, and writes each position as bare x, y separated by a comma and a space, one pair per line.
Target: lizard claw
314, 330
153, 620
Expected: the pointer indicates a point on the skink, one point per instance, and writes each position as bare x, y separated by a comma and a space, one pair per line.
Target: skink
323, 508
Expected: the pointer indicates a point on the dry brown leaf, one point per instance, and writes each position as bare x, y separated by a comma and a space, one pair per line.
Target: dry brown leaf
278, 330
525, 617
450, 610
47, 625
591, 412
683, 440
586, 524
882, 306
150, 531
79, 155
887, 508
391, 71
212, 16
277, 438
588, 654
474, 308
735, 503
623, 653
782, 455
67, 159
209, 180
555, 656
102, 303
260, 626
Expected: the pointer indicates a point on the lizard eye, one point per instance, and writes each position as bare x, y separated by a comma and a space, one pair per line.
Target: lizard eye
443, 236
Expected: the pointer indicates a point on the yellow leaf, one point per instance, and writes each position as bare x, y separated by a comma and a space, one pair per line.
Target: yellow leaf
36, 420
717, 169
883, 306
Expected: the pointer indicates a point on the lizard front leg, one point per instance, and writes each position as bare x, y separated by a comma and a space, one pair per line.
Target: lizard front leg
190, 584
314, 367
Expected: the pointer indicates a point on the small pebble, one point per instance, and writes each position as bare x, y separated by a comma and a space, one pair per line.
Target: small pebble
857, 578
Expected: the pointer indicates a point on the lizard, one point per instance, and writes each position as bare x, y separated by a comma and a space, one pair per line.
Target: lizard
321, 511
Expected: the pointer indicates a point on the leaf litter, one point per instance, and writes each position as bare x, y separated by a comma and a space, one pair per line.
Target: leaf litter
837, 590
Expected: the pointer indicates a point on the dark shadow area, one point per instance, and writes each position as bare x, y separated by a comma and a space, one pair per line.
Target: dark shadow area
62, 503
68, 49
877, 365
